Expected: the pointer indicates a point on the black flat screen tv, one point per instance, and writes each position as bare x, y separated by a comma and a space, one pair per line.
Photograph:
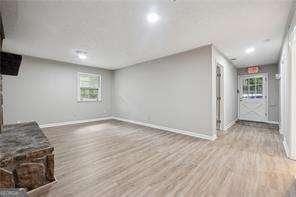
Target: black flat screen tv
10, 63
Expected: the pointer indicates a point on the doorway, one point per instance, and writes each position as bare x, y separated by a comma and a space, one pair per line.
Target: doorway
253, 97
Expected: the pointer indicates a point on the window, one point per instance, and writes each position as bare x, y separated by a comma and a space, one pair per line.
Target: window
253, 87
89, 87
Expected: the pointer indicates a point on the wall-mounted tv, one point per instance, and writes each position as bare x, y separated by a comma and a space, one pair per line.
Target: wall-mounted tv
10, 63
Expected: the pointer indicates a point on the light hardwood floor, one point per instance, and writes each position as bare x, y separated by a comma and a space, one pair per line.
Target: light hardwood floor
113, 158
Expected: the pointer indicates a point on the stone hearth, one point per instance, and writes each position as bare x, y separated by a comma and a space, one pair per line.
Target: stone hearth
26, 157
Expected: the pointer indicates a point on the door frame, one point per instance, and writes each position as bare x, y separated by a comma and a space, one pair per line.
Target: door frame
221, 95
265, 75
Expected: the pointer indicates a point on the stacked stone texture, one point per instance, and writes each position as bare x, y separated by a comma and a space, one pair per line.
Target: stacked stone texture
26, 157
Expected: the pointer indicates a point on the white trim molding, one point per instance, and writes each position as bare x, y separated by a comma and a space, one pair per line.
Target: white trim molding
189, 133
73, 122
289, 154
286, 148
272, 122
230, 124
281, 131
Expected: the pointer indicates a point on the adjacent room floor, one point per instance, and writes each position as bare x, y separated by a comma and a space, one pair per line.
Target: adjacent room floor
113, 158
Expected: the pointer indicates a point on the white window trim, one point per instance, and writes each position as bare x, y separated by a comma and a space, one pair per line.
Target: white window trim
99, 99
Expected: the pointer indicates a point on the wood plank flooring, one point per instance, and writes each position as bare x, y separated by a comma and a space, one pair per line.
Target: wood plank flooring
113, 158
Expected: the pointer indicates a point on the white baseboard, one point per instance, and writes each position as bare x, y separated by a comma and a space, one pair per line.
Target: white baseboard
202, 136
286, 148
229, 125
272, 122
281, 131
73, 122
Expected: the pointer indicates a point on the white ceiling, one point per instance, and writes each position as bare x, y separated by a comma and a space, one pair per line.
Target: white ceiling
117, 34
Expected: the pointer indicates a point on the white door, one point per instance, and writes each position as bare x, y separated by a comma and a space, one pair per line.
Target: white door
253, 97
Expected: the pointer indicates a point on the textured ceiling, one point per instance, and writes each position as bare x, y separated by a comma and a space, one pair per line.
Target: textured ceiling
117, 34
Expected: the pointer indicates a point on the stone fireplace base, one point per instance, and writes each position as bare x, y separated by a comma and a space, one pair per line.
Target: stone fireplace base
26, 157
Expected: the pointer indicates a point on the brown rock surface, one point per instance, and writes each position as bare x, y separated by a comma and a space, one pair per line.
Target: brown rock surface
30, 175
50, 168
26, 157
7, 180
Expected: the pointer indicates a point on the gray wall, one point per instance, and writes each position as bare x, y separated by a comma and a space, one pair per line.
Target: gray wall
229, 91
46, 91
273, 89
173, 91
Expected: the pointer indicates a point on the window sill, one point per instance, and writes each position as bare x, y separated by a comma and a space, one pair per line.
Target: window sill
89, 101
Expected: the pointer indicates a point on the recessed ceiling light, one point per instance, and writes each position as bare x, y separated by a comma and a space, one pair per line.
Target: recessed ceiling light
250, 50
81, 55
152, 17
